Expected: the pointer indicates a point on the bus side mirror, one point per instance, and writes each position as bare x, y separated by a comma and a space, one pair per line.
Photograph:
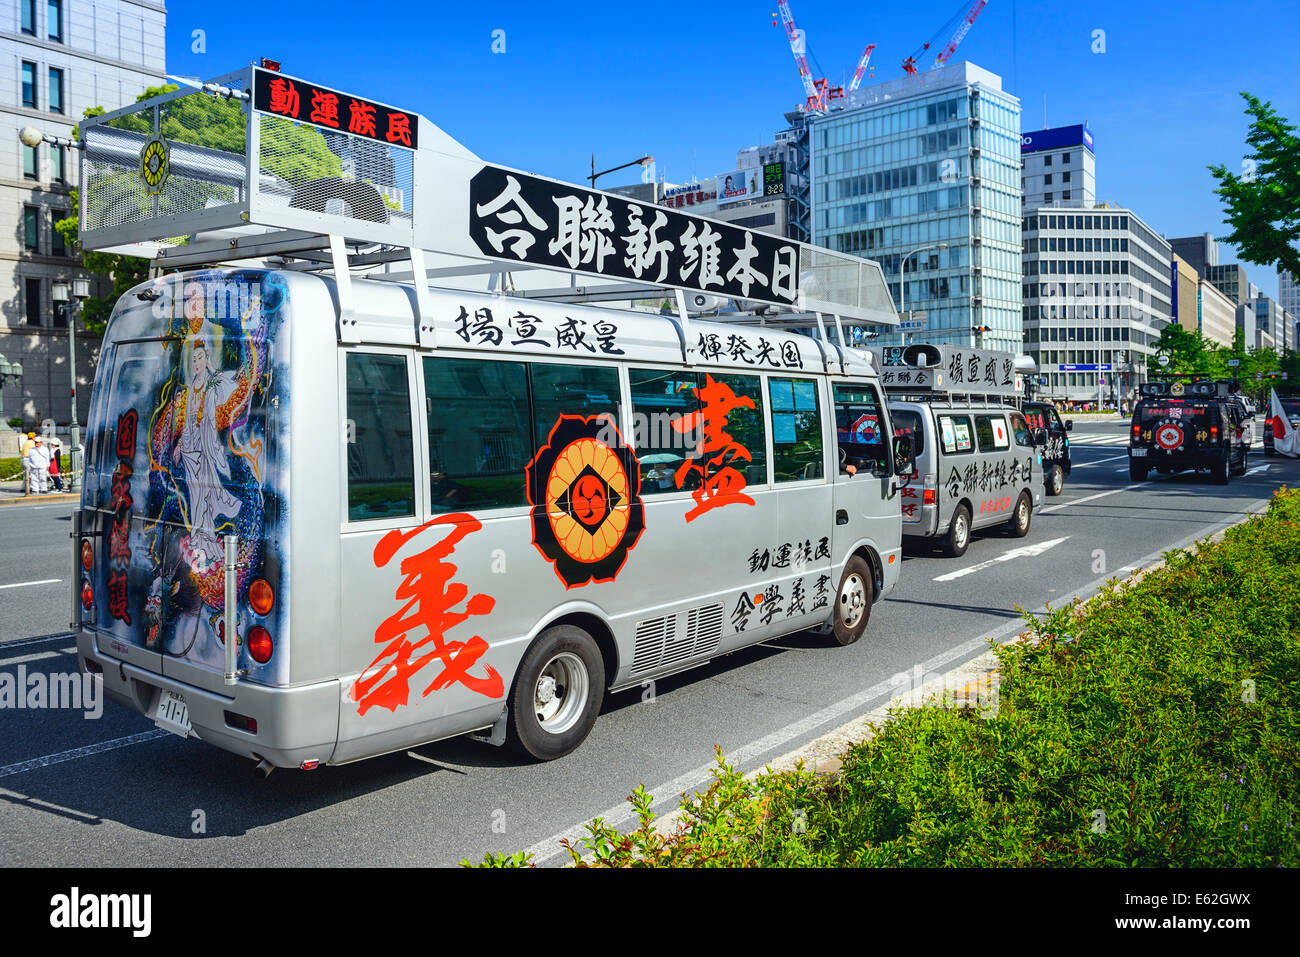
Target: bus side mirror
904, 455
1069, 425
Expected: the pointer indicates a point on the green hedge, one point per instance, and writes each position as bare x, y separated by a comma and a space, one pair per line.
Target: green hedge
1169, 705
11, 468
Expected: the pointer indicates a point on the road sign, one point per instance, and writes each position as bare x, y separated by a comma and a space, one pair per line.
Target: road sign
915, 319
1091, 367
1234, 362
1163, 360
1101, 380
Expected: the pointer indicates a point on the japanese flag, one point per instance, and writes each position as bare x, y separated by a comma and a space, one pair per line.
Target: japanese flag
1286, 440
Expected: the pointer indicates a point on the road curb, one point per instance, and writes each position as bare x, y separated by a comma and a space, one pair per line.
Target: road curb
40, 499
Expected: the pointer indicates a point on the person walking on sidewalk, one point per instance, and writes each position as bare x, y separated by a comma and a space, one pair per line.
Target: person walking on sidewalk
55, 478
38, 462
22, 454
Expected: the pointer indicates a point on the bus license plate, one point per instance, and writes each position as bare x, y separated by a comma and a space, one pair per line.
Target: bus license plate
173, 714
1139, 453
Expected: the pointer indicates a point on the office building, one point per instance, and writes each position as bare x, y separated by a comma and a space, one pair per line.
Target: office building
1060, 167
926, 170
1097, 293
1200, 252
64, 56
1198, 306
1230, 279
1288, 292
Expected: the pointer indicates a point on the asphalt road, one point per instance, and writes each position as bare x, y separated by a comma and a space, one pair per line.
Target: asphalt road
115, 791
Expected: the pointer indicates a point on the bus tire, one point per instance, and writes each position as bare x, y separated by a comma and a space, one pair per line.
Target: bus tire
557, 694
1055, 480
1019, 523
1137, 472
958, 540
852, 602
1222, 470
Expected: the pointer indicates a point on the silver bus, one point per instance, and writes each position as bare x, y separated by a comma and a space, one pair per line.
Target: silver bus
488, 534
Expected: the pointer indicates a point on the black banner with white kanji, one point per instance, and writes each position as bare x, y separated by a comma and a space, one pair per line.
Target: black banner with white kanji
544, 223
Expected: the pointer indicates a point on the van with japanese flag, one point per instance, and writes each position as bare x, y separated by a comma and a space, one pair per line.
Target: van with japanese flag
978, 463
396, 445
1282, 426
1189, 423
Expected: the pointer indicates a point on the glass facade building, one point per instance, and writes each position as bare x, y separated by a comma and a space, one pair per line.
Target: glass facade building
921, 161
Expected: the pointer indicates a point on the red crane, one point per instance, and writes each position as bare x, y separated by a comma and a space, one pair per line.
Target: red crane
818, 93
962, 23
862, 67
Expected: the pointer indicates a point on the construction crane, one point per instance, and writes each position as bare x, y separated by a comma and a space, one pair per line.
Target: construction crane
818, 92
963, 23
862, 67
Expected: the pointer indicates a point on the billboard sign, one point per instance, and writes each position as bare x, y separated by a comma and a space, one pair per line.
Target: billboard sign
1060, 137
740, 184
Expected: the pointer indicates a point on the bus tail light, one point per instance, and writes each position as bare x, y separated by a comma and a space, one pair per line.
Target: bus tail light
927, 497
1137, 431
259, 644
241, 722
261, 596
87, 595
87, 555
1214, 433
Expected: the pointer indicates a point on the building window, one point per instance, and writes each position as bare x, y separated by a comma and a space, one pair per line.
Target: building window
1065, 194
56, 92
1065, 177
1047, 160
33, 302
1065, 158
1047, 197
1047, 180
31, 229
29, 17
55, 10
58, 159
29, 85
29, 162
57, 246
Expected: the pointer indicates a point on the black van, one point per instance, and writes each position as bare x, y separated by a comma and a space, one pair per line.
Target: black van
1179, 426
1056, 453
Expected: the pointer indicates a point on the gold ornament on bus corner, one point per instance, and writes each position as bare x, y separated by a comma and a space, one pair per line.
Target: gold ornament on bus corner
1176, 389
155, 163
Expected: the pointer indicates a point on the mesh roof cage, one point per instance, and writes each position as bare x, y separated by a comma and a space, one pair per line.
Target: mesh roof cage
196, 160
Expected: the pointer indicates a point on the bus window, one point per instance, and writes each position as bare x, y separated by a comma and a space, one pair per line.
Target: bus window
381, 474
955, 434
1021, 428
745, 426
571, 390
479, 442
858, 428
991, 430
661, 397
908, 422
796, 429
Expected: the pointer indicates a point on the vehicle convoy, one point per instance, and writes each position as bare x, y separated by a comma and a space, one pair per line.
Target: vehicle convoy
330, 514
978, 463
1181, 425
1056, 451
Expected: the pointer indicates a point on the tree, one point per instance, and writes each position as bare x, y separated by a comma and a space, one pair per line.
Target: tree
1262, 205
296, 153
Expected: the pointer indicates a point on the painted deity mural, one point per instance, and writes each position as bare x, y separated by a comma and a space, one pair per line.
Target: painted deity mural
194, 417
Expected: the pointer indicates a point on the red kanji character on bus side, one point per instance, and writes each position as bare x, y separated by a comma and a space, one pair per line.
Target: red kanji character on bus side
720, 484
399, 128
120, 490
284, 98
324, 108
361, 119
117, 597
432, 596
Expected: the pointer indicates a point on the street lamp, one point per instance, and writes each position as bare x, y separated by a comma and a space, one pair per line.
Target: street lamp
80, 290
902, 279
643, 161
8, 370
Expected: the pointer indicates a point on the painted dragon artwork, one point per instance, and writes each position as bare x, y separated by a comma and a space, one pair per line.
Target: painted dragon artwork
200, 468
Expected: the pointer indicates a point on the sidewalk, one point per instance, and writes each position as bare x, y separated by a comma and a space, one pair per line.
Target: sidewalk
11, 493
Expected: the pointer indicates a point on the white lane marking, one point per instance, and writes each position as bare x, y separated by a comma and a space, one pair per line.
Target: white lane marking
37, 656
20, 642
1089, 498
1257, 468
1085, 465
87, 751
43, 581
1025, 551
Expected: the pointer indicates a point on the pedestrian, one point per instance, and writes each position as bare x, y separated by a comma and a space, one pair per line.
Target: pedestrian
22, 454
38, 461
55, 478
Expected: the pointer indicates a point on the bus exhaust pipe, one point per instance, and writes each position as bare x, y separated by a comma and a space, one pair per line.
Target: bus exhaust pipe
265, 767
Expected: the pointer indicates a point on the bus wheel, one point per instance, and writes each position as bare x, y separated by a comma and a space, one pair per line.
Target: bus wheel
1019, 523
1055, 480
853, 604
1138, 472
557, 693
1222, 470
958, 539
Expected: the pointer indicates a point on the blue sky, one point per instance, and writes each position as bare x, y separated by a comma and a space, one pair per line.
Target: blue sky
690, 83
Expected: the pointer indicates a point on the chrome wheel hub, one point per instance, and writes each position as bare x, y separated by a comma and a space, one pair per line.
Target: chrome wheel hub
561, 693
853, 600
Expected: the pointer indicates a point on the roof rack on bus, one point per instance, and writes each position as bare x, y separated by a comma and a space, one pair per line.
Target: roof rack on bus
1173, 384
257, 165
